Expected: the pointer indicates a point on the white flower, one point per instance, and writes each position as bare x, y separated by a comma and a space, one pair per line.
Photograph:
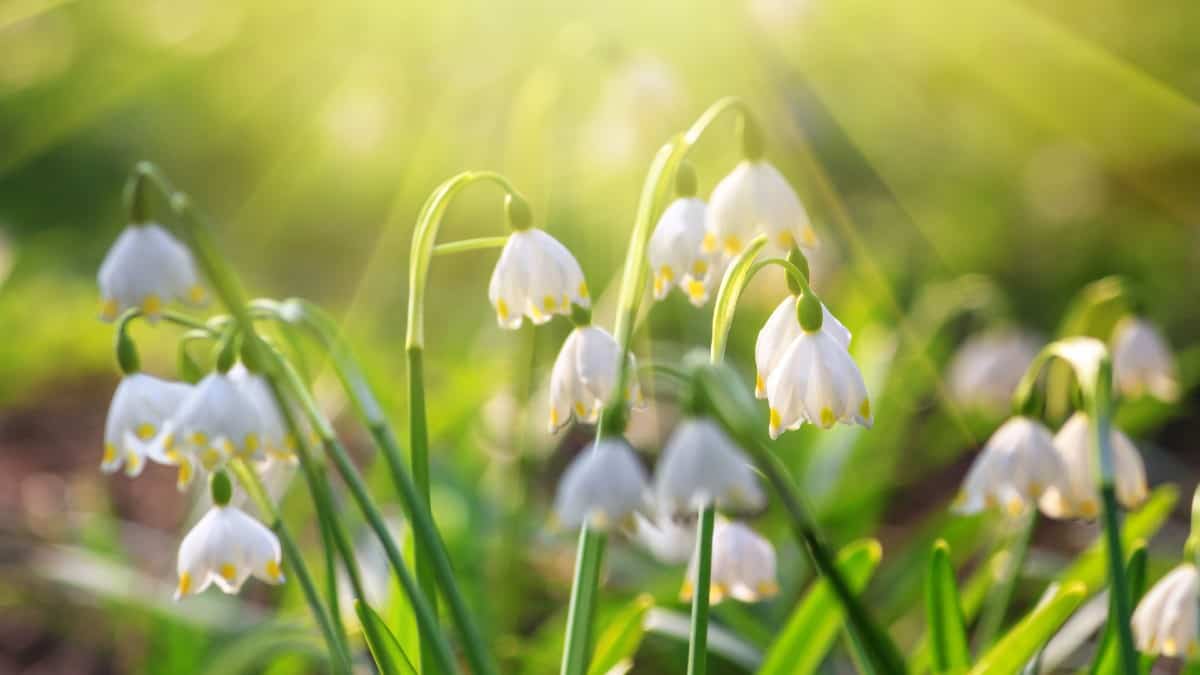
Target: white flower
781, 328
277, 441
1142, 361
603, 485
817, 382
537, 277
1016, 466
214, 423
669, 539
1165, 621
1074, 445
701, 465
743, 566
148, 268
584, 376
755, 198
140, 406
675, 253
226, 547
987, 368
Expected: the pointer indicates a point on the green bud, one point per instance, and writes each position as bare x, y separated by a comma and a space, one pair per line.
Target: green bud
227, 353
221, 488
520, 216
685, 180
753, 145
189, 370
797, 259
251, 352
808, 312
580, 316
136, 200
127, 354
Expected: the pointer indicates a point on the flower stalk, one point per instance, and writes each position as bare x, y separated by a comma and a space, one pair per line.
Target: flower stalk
698, 640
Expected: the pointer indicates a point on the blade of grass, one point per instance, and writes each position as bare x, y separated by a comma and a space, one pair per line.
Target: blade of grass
947, 629
384, 646
1020, 644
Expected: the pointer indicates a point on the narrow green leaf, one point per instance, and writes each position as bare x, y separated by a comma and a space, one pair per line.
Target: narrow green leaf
814, 625
385, 649
1089, 567
621, 637
947, 630
1011, 653
1107, 660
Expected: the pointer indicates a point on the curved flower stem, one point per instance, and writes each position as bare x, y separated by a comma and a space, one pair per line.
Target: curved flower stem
698, 641
465, 245
1000, 597
250, 481
739, 273
577, 649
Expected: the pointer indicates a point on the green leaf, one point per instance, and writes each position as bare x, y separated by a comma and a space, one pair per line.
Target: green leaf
385, 649
814, 625
621, 636
1011, 653
1107, 659
1089, 567
947, 631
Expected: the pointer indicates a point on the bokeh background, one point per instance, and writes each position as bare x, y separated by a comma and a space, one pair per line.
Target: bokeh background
1037, 145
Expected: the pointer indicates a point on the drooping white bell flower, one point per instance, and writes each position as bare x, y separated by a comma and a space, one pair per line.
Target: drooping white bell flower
675, 254
754, 199
1142, 361
743, 566
277, 441
225, 548
1016, 466
214, 423
1165, 621
1074, 445
536, 276
604, 485
140, 406
670, 539
585, 375
987, 368
778, 333
816, 381
147, 268
700, 466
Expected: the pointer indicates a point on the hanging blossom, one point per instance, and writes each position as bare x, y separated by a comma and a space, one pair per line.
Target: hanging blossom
700, 466
670, 539
537, 277
277, 441
743, 566
754, 199
1073, 442
225, 548
140, 406
780, 330
147, 268
603, 485
985, 371
215, 422
1142, 361
585, 375
1165, 621
1017, 465
675, 251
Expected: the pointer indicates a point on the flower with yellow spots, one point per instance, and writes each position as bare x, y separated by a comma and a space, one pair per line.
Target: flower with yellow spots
1017, 465
1142, 361
214, 423
816, 381
1074, 445
277, 442
778, 333
584, 376
535, 277
743, 566
604, 486
756, 199
225, 548
675, 254
700, 466
140, 407
147, 268
1165, 621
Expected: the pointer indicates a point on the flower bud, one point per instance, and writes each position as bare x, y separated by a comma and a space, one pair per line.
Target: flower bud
127, 354
753, 144
520, 217
809, 312
221, 488
685, 180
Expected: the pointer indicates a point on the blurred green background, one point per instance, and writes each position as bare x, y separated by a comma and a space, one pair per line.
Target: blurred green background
1043, 145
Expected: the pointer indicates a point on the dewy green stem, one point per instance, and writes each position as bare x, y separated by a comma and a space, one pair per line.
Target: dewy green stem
698, 641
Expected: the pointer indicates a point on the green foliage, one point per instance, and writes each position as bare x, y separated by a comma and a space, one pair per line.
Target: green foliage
619, 639
1020, 644
385, 649
947, 630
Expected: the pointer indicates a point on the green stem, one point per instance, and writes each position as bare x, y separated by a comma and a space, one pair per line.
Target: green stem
465, 245
577, 650
737, 275
331, 580
1000, 597
698, 642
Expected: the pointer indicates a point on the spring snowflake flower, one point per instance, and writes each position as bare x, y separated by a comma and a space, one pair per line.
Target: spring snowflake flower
536, 277
987, 368
755, 198
147, 268
604, 485
743, 566
816, 381
584, 376
1142, 361
214, 423
226, 547
277, 441
1074, 445
1165, 621
140, 406
1017, 465
675, 253
779, 331
670, 539
700, 466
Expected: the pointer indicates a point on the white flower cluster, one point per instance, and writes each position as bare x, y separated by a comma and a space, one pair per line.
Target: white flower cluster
147, 268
